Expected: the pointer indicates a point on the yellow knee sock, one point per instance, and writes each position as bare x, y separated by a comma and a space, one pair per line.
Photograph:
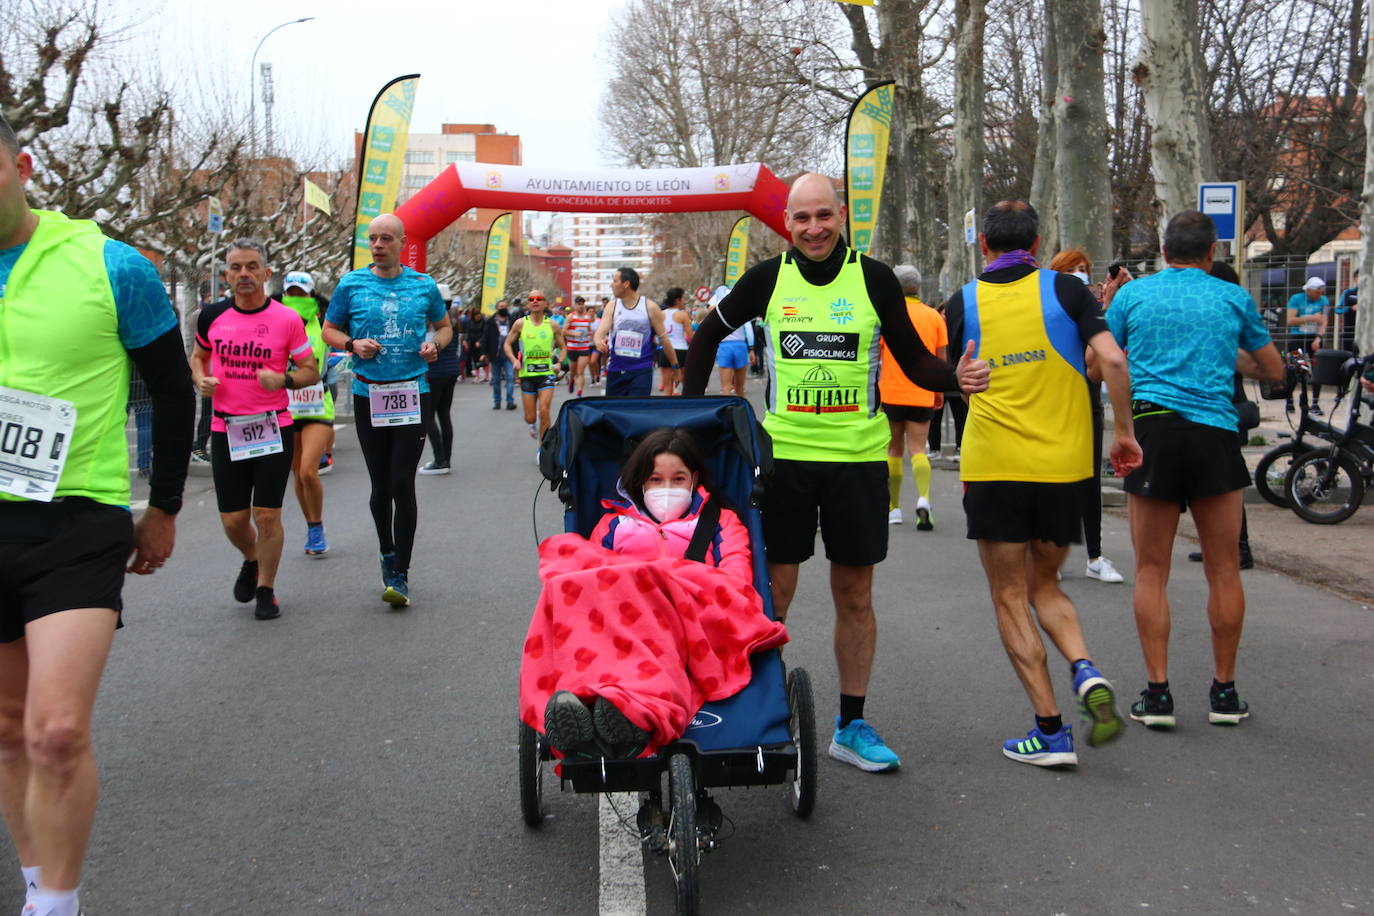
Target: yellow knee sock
920, 472
894, 482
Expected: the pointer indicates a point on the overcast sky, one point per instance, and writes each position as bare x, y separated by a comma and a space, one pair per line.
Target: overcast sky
530, 67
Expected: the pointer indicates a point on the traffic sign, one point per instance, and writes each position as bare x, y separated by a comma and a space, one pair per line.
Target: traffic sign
703, 294
1221, 200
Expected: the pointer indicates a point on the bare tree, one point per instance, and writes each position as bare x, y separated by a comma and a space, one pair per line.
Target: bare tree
1044, 193
966, 163
1081, 171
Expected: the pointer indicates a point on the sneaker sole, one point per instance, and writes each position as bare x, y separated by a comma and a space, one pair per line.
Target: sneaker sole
1059, 759
615, 728
568, 722
1099, 708
424, 473
395, 598
844, 754
1227, 718
1101, 578
1155, 721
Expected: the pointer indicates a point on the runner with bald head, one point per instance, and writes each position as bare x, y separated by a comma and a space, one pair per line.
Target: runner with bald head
382, 314
826, 310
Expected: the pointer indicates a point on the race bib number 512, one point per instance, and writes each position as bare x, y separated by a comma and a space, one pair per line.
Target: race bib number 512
35, 434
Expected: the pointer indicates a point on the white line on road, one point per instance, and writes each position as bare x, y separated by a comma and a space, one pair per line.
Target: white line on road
622, 861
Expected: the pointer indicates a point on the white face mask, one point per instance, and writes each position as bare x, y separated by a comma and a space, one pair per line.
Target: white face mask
667, 503
1080, 275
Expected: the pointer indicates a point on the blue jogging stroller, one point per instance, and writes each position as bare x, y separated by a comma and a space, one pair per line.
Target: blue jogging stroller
763, 735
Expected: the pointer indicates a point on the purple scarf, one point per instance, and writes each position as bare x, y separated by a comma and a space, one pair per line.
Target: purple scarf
1011, 259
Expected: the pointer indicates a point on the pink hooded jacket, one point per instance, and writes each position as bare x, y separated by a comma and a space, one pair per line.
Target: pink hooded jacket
627, 530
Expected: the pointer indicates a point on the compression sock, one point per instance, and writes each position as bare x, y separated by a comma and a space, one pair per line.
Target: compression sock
1049, 725
56, 903
894, 482
1157, 686
1218, 686
30, 880
920, 472
851, 708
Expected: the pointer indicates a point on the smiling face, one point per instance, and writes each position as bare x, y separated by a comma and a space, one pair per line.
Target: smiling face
814, 216
669, 471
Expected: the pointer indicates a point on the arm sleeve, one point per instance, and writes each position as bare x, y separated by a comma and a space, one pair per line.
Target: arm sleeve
748, 300
736, 556
141, 304
922, 367
162, 364
954, 326
1080, 305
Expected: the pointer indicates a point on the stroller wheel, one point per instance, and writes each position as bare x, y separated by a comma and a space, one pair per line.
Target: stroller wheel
531, 776
684, 848
802, 724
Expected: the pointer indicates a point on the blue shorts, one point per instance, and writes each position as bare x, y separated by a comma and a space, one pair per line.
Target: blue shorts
635, 383
732, 354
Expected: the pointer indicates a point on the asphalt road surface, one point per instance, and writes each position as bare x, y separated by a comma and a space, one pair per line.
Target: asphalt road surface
350, 759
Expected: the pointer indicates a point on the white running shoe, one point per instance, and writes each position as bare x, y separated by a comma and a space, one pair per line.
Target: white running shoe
895, 517
1102, 570
532, 433
924, 519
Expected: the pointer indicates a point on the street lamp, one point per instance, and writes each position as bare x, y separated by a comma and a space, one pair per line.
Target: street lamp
253, 87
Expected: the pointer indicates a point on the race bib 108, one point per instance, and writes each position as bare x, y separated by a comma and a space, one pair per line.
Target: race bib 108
35, 435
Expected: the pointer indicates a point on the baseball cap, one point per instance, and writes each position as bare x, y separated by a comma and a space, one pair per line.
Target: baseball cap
1314, 283
720, 293
298, 278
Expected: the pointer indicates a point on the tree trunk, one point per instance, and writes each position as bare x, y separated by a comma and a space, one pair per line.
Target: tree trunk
1171, 79
1364, 316
966, 165
1044, 189
1084, 184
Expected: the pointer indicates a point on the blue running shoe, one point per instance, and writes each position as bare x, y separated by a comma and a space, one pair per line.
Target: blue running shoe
1042, 750
397, 592
1097, 702
858, 743
388, 563
315, 544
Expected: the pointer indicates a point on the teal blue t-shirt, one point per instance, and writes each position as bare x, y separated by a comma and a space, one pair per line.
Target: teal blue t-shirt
142, 308
395, 312
1180, 329
1299, 303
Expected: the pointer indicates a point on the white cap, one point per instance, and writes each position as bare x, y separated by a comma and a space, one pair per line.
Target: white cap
721, 292
1314, 283
298, 278
445, 292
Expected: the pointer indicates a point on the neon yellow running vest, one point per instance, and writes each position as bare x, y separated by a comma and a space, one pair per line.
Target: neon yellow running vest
59, 336
823, 350
309, 310
536, 348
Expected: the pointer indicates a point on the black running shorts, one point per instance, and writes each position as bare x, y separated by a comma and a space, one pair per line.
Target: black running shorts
663, 362
849, 498
1015, 512
907, 413
533, 384
258, 482
1184, 461
59, 556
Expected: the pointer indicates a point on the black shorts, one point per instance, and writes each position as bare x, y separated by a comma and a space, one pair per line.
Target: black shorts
1015, 511
848, 497
663, 359
259, 482
576, 353
58, 556
907, 413
1184, 461
533, 384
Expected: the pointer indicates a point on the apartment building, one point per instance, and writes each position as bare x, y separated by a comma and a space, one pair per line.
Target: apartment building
600, 243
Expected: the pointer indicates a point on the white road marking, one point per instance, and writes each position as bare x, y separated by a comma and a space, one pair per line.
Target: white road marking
622, 861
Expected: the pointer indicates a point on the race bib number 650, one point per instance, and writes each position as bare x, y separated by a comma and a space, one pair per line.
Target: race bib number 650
35, 434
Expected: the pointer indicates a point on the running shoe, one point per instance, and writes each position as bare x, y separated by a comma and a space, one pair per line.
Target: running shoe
388, 564
1102, 570
613, 727
1315, 410
246, 583
266, 608
859, 744
532, 430
568, 724
397, 593
315, 544
432, 468
510, 406
326, 464
579, 392
496, 406
895, 517
1097, 702
924, 520
1156, 710
1042, 750
1227, 707
199, 459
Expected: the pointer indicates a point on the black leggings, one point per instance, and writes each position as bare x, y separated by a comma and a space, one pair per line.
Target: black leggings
440, 426
392, 453
1092, 487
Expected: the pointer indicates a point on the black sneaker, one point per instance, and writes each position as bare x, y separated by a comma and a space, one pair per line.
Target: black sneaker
1247, 559
1227, 707
1154, 709
1315, 410
568, 723
246, 583
624, 737
266, 608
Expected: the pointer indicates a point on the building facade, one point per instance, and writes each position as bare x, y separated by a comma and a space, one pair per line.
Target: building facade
600, 243
429, 154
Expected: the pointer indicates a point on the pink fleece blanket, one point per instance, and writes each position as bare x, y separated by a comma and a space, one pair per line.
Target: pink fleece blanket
655, 638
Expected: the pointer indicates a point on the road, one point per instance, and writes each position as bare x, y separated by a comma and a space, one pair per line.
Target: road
347, 759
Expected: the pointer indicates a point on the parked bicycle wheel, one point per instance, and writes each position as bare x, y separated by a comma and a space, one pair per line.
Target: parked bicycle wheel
1325, 488
1272, 470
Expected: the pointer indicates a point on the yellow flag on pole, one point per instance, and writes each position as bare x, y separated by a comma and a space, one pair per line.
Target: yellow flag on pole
494, 272
382, 158
737, 251
865, 162
316, 197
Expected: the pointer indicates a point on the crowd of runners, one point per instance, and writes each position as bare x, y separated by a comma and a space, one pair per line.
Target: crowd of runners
856, 371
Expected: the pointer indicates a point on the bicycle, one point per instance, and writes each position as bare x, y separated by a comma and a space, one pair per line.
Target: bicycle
1326, 485
1272, 468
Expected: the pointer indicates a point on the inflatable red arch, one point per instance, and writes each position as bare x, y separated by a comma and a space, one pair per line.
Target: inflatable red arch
464, 185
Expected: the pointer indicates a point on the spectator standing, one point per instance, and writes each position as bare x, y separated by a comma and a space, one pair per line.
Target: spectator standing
1307, 317
443, 376
499, 366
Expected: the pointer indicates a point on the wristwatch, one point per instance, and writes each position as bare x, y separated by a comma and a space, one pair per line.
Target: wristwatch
348, 345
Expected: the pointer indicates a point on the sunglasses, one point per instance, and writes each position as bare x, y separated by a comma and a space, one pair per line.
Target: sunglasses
537, 299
